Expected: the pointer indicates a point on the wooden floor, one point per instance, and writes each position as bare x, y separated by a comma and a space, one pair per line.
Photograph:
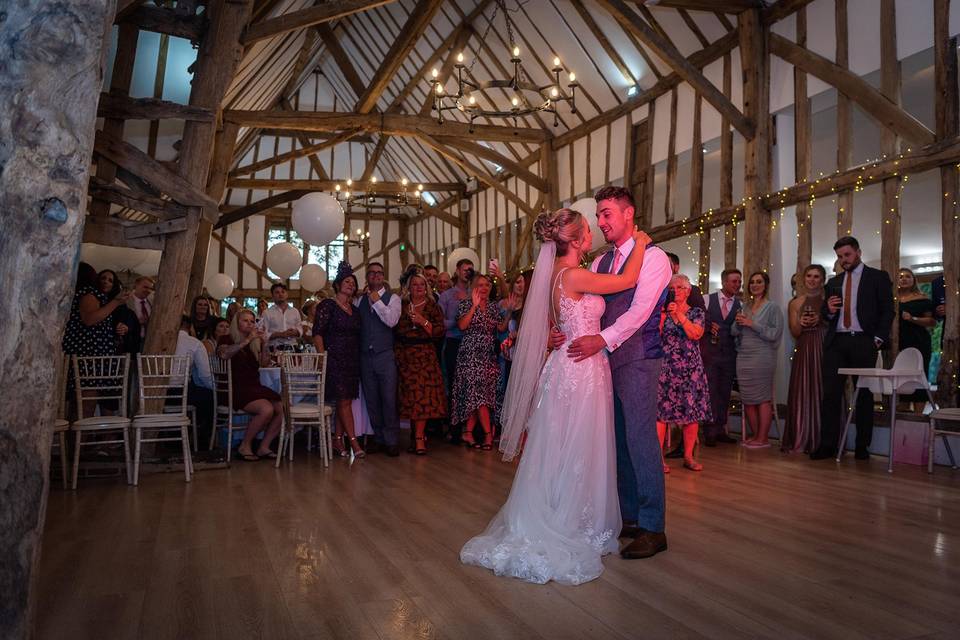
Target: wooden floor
761, 545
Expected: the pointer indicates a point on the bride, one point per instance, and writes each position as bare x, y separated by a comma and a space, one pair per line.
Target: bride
562, 513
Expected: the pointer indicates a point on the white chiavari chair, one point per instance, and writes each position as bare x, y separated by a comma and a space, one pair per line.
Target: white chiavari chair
303, 378
60, 424
225, 412
163, 405
99, 379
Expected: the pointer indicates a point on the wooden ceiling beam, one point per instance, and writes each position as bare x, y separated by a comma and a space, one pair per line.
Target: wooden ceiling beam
293, 155
726, 6
681, 66
871, 101
158, 20
781, 10
330, 185
260, 206
374, 159
494, 156
391, 123
317, 14
407, 38
127, 108
341, 58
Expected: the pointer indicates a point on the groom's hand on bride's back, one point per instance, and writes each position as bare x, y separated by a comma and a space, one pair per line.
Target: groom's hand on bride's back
585, 346
556, 339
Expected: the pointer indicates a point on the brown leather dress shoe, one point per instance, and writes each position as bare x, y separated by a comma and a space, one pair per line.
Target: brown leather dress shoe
629, 531
645, 545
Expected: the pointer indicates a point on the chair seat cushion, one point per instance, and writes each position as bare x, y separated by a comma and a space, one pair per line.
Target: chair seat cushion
100, 422
158, 421
306, 410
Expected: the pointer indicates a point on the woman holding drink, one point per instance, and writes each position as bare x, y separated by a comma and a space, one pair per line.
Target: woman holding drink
802, 430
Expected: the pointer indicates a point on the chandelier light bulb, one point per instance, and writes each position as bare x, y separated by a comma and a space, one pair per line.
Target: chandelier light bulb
419, 187
515, 101
359, 231
348, 194
439, 89
373, 179
556, 61
460, 57
516, 52
403, 182
435, 73
554, 92
337, 187
349, 182
472, 100
573, 77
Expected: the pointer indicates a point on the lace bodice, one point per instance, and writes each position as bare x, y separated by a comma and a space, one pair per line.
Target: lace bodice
578, 317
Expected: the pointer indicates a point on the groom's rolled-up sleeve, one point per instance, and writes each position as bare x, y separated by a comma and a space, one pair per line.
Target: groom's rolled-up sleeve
654, 277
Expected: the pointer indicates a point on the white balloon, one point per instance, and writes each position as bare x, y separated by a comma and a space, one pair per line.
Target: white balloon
220, 286
284, 259
317, 218
312, 277
463, 253
588, 207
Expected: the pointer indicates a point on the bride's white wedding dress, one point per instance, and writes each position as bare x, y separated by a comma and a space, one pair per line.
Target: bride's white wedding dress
562, 514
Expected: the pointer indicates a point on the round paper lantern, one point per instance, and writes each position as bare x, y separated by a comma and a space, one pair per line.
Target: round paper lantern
588, 207
220, 286
284, 259
312, 277
463, 253
317, 218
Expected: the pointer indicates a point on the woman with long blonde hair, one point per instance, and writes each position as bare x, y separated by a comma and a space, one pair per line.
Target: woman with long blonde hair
244, 348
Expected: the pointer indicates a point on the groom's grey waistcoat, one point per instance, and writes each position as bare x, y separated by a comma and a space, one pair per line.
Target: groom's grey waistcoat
645, 343
375, 336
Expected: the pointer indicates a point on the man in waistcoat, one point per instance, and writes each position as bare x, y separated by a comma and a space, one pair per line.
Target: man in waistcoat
631, 334
720, 353
379, 314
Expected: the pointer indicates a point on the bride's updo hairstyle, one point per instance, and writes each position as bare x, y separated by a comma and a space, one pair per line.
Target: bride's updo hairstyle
562, 226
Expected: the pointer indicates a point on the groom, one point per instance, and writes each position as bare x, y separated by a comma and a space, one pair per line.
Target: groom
631, 335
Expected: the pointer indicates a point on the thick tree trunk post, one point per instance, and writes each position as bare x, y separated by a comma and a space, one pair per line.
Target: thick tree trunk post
223, 146
217, 60
803, 150
844, 123
890, 147
756, 107
726, 170
947, 108
53, 67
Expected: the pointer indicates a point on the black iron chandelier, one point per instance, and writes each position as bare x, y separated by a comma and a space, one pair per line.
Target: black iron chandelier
526, 96
350, 195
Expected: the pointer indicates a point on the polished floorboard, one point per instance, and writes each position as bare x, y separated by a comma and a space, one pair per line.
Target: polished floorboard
762, 545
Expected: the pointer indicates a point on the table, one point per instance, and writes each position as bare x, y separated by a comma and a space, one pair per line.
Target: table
895, 378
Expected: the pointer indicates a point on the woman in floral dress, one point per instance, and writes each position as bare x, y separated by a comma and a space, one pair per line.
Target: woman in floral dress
683, 397
475, 382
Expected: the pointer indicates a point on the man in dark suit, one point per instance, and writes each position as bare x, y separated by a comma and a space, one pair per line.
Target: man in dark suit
719, 353
859, 311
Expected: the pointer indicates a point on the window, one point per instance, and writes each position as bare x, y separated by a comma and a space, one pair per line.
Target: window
226, 302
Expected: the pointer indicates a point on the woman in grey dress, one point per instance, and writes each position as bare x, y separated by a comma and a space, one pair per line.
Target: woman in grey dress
757, 330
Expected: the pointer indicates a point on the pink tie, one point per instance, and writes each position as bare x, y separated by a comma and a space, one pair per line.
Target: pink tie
726, 307
617, 256
144, 311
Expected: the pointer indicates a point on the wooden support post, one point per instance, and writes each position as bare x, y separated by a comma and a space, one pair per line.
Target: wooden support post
947, 108
756, 105
890, 147
223, 146
670, 200
53, 74
803, 150
696, 162
120, 79
844, 123
219, 54
703, 272
726, 171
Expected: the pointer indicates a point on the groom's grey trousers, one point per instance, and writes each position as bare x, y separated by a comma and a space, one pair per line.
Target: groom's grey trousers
639, 467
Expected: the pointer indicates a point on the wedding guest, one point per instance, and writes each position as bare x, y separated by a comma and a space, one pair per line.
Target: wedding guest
859, 313
801, 431
916, 321
757, 330
422, 395
220, 328
336, 331
696, 298
379, 313
200, 385
683, 396
141, 302
309, 311
443, 282
202, 320
475, 378
432, 274
450, 301
126, 327
719, 352
89, 331
281, 320
246, 350
262, 306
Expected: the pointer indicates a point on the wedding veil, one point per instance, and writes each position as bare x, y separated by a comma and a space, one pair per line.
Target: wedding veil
528, 355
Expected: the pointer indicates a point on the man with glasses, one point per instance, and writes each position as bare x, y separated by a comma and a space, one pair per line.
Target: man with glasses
379, 314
